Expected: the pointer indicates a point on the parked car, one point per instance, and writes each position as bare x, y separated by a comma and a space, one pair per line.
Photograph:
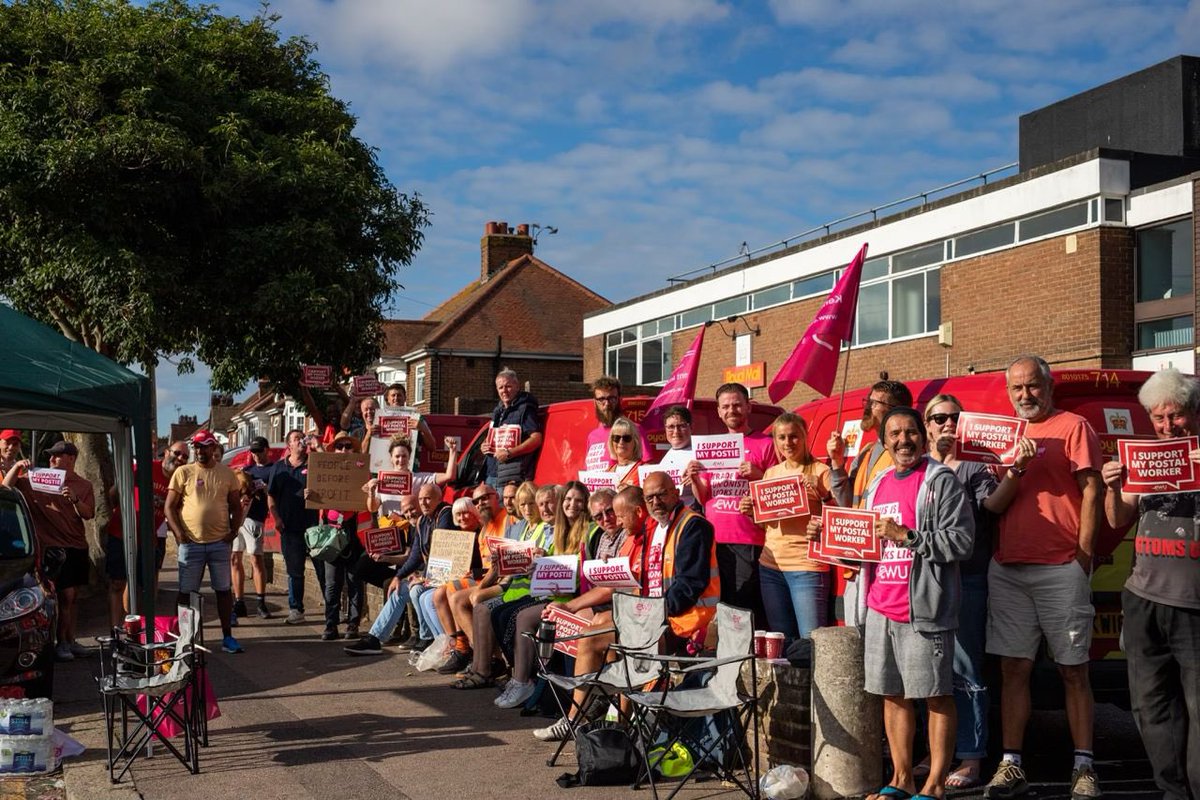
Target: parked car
28, 606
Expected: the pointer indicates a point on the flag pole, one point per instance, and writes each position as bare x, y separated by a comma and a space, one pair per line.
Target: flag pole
842, 396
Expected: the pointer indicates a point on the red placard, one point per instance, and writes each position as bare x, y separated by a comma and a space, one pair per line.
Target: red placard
779, 498
316, 376
505, 437
566, 624
988, 438
382, 540
850, 533
365, 386
511, 557
816, 553
387, 427
394, 483
1159, 466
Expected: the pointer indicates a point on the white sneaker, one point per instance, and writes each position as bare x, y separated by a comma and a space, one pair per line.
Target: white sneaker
62, 652
515, 694
553, 733
295, 617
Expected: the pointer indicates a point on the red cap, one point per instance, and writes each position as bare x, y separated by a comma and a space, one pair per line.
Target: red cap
203, 437
9, 434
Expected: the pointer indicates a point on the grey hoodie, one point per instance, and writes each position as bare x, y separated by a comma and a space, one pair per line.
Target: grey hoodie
945, 535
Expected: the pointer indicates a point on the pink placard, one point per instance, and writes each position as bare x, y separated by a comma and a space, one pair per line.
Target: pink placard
394, 483
988, 438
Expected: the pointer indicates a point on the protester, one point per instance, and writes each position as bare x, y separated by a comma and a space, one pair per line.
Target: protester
795, 589
677, 428
606, 395
285, 500
739, 541
516, 407
387, 506
359, 420
913, 599
625, 451
10, 450
58, 522
508, 496
432, 606
1039, 579
605, 537
396, 396
204, 511
338, 574
250, 536
988, 499
1161, 599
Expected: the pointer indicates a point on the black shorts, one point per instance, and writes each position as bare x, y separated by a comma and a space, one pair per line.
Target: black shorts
114, 557
75, 568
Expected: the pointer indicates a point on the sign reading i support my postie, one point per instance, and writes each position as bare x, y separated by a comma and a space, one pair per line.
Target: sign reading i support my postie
850, 533
989, 438
779, 498
723, 451
1161, 466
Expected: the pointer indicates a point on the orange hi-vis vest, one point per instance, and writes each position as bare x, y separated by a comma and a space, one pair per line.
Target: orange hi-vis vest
695, 619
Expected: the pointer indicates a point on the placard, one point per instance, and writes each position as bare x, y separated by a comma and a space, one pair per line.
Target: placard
850, 533
393, 421
335, 481
722, 451
504, 437
1159, 466
852, 435
779, 498
673, 471
816, 553
450, 555
316, 376
728, 483
380, 541
365, 386
988, 438
394, 483
566, 624
554, 575
598, 479
615, 573
50, 481
510, 557
394, 425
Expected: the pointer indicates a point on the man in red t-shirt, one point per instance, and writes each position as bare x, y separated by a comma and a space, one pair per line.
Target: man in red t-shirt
1039, 583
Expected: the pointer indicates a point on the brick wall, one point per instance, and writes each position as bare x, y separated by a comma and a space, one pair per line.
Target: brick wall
1195, 264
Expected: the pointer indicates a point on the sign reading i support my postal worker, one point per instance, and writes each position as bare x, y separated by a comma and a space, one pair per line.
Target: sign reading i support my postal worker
779, 498
988, 438
316, 376
1161, 466
850, 533
723, 451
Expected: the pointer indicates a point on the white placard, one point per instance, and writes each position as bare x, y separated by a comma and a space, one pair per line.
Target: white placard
723, 451
597, 479
612, 574
554, 575
50, 481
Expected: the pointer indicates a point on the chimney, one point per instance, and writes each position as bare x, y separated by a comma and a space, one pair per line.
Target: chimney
501, 245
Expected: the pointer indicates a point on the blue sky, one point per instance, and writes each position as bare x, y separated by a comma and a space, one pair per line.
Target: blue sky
658, 136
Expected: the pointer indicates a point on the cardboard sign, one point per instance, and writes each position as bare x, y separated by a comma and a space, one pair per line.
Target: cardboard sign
335, 481
379, 541
612, 574
509, 556
779, 498
722, 451
316, 376
505, 437
988, 438
365, 386
50, 481
554, 575
394, 483
852, 435
566, 624
1159, 466
849, 533
596, 479
450, 555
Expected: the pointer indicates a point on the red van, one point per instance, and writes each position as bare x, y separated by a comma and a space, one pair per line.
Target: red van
1108, 400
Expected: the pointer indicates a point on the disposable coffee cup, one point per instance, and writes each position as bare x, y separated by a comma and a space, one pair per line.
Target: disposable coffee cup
773, 645
760, 644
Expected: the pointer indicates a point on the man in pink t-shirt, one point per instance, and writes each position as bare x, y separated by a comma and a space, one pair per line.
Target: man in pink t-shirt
606, 394
739, 540
1039, 581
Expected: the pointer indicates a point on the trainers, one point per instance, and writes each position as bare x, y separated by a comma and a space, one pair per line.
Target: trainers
409, 644
295, 617
457, 663
351, 631
233, 623
230, 645
515, 694
78, 650
263, 612
63, 652
1084, 785
329, 634
553, 733
1009, 781
366, 646
239, 608
422, 645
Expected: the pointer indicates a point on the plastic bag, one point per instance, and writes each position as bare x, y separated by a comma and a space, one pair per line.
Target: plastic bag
784, 782
435, 655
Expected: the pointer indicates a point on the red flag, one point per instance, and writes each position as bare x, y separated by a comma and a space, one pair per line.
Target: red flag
680, 388
815, 359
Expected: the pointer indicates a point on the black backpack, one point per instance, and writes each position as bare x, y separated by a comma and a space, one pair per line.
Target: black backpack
606, 757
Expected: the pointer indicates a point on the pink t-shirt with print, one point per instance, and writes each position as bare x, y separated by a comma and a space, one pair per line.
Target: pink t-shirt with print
723, 507
896, 498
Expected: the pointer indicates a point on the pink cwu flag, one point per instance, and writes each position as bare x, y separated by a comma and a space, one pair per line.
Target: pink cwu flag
815, 359
680, 387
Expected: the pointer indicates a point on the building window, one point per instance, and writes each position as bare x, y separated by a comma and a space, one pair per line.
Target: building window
1164, 261
418, 392
293, 417
991, 238
1163, 334
1053, 221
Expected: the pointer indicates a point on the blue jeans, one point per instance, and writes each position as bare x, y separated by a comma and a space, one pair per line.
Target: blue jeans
390, 614
426, 612
192, 559
295, 555
795, 601
337, 576
970, 692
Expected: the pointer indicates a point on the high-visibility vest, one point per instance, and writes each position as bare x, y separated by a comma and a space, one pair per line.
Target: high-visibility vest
696, 618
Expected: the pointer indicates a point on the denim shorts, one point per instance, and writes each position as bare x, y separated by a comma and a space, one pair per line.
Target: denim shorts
192, 560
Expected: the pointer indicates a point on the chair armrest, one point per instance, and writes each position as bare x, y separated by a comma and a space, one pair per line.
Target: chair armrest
585, 635
716, 662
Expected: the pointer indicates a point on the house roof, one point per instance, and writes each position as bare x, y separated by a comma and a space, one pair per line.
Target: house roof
404, 335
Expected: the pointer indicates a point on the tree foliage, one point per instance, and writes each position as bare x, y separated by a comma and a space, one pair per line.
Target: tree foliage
174, 181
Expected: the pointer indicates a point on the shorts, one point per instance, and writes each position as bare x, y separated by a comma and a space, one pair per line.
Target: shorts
458, 584
114, 557
899, 661
75, 568
249, 538
192, 560
1029, 601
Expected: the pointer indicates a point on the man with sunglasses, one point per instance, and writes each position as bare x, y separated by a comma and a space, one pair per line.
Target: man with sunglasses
606, 395
250, 535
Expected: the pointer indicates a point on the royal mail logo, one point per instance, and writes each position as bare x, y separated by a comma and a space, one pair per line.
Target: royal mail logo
1118, 423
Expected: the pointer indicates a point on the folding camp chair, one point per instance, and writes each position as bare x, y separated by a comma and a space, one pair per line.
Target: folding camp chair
639, 623
662, 715
164, 674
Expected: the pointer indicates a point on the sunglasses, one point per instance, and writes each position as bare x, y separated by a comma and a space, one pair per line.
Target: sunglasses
343, 446
621, 438
481, 500
868, 402
940, 419
179, 453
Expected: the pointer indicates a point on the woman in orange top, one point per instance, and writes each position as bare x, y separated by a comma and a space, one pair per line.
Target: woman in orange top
795, 589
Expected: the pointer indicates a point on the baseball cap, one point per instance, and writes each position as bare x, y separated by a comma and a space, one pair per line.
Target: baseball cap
9, 433
63, 448
202, 438
259, 444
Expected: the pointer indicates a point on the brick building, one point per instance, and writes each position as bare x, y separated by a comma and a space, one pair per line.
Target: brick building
521, 313
1087, 255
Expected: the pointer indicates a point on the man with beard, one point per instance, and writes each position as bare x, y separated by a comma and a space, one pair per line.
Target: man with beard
204, 512
850, 485
1039, 579
606, 394
285, 500
519, 408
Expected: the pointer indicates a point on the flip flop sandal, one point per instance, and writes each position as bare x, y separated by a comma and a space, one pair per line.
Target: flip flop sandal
474, 680
891, 792
963, 779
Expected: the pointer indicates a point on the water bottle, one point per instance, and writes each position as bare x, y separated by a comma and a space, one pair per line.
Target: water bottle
545, 639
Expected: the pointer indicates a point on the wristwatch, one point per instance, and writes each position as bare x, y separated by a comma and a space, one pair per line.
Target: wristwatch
910, 538
1018, 471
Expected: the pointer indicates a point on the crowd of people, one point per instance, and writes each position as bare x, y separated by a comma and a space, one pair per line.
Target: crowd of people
976, 559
